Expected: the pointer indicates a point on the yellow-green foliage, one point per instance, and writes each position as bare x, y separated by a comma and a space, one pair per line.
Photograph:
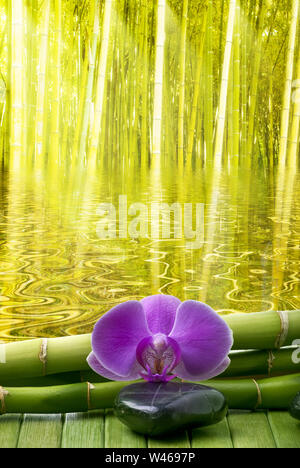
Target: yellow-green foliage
137, 80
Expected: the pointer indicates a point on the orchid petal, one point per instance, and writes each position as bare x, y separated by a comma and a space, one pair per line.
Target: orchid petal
101, 370
182, 373
203, 336
116, 336
160, 312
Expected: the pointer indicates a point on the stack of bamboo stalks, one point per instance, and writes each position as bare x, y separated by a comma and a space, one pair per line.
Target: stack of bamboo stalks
52, 376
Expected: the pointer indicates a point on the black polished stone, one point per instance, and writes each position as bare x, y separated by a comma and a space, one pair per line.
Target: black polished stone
161, 408
295, 407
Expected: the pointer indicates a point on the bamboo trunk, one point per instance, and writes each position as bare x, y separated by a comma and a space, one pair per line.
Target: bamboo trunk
254, 82
273, 393
8, 85
73, 398
158, 84
100, 86
250, 394
267, 330
55, 108
182, 60
89, 87
224, 88
67, 101
271, 124
264, 363
144, 111
209, 89
16, 81
244, 85
196, 93
295, 126
31, 78
65, 378
41, 114
236, 88
221, 40
285, 116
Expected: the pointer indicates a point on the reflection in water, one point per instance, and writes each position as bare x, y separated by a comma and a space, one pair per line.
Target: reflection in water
57, 276
102, 99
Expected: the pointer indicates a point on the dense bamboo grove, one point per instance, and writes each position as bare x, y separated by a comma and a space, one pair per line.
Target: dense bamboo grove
130, 81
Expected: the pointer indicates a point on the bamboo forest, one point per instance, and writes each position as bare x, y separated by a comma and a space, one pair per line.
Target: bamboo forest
154, 101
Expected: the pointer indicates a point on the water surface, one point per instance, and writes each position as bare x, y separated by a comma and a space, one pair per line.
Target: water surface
58, 277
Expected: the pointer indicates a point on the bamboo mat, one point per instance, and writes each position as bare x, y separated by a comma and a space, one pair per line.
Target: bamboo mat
100, 429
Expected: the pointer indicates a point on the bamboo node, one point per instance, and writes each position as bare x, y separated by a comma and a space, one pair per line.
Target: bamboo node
43, 354
259, 395
90, 387
271, 360
3, 394
284, 329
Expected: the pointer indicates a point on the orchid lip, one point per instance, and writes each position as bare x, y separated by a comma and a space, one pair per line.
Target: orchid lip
158, 355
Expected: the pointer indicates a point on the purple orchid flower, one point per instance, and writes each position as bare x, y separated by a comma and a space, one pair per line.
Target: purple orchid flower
160, 338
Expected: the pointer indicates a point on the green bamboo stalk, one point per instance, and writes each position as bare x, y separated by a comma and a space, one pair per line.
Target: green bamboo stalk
265, 330
144, 111
2, 35
272, 393
40, 119
27, 73
236, 87
8, 83
196, 93
167, 130
132, 90
39, 357
255, 80
244, 85
16, 80
252, 363
123, 96
65, 378
228, 143
224, 87
271, 124
67, 101
55, 109
71, 398
81, 109
181, 105
221, 34
263, 363
89, 89
31, 72
158, 84
249, 394
100, 85
209, 92
285, 116
295, 125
